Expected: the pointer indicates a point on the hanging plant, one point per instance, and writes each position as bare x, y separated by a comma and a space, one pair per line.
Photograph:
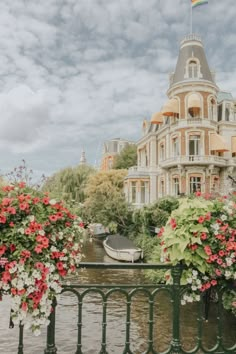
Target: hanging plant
40, 244
201, 233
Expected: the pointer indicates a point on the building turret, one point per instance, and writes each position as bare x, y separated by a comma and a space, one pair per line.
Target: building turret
82, 158
192, 66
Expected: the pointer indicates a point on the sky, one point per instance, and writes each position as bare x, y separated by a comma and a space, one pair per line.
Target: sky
74, 73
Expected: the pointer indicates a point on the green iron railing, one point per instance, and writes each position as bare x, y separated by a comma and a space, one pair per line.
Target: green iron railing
175, 292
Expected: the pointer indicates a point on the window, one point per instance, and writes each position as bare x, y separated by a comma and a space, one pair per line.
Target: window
194, 145
195, 184
175, 146
192, 69
227, 114
219, 112
133, 192
176, 186
212, 109
162, 152
162, 188
144, 192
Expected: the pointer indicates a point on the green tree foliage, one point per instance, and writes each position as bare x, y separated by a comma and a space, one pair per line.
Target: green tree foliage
69, 183
105, 202
127, 158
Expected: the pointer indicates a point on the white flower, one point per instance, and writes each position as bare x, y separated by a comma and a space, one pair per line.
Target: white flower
52, 201
41, 232
223, 217
31, 218
183, 302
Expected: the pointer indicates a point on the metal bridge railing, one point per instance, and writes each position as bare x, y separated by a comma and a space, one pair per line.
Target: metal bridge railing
129, 291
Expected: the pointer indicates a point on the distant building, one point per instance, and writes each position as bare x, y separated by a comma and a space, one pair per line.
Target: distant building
190, 145
112, 148
83, 160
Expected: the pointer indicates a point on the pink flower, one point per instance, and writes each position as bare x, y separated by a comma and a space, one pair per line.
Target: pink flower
203, 236
201, 220
207, 250
24, 306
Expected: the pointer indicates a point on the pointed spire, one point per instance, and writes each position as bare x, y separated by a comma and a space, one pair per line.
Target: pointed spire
82, 158
192, 63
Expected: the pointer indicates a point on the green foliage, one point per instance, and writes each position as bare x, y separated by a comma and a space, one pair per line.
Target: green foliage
229, 301
127, 158
69, 183
153, 215
167, 204
105, 202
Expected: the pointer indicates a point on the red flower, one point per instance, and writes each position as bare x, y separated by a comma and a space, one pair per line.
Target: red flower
23, 206
2, 249
24, 306
12, 247
198, 194
213, 282
60, 265
45, 200
53, 217
3, 219
22, 185
201, 219
221, 253
218, 272
203, 236
207, 250
38, 249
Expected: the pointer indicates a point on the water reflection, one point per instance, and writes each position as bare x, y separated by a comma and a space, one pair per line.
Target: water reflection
67, 317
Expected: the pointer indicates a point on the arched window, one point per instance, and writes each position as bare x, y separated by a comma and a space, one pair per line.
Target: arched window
194, 106
212, 109
162, 152
192, 69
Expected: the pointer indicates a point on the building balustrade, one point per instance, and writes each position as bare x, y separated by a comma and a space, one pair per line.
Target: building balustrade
194, 159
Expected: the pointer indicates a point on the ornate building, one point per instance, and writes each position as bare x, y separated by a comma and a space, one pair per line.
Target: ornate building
112, 148
190, 144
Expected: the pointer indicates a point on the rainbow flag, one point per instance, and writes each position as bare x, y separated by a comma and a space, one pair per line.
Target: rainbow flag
196, 3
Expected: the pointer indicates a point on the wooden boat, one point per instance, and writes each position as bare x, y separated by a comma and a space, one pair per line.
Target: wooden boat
122, 249
98, 231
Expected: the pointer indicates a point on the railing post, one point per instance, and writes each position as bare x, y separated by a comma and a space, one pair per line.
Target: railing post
175, 343
51, 347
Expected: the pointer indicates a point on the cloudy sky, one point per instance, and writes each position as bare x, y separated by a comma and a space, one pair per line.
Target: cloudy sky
74, 73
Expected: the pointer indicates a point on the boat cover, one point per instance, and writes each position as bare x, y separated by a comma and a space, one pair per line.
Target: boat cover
119, 242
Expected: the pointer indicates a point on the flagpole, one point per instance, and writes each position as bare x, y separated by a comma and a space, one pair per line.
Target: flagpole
191, 19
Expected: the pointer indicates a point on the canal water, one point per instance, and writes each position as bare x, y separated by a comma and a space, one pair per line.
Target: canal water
67, 317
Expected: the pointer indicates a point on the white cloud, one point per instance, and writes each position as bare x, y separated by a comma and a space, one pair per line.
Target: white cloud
76, 72
24, 115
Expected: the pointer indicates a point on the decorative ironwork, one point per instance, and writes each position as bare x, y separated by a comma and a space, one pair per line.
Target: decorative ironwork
129, 291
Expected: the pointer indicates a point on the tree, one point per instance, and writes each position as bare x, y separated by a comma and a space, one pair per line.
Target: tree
105, 202
127, 158
69, 183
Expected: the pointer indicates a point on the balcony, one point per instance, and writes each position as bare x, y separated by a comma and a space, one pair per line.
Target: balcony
194, 160
195, 122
